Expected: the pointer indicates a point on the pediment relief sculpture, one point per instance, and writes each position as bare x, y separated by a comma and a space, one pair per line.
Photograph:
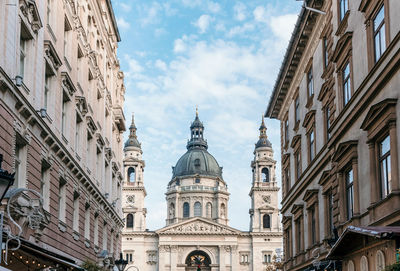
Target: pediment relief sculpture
199, 227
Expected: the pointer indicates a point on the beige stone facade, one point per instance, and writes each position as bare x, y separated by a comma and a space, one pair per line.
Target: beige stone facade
197, 213
337, 99
61, 128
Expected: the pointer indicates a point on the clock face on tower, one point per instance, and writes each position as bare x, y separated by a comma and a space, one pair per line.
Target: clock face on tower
130, 199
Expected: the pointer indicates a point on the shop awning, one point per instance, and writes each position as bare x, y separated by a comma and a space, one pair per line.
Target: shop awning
32, 253
354, 237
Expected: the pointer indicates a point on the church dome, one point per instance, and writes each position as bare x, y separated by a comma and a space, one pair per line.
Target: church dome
197, 160
132, 142
263, 142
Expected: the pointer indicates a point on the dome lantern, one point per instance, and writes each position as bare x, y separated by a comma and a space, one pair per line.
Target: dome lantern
132, 140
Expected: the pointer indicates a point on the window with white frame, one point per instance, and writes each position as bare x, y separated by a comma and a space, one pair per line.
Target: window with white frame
384, 167
45, 184
62, 199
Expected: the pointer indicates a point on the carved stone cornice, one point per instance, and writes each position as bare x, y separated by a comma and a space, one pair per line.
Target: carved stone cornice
51, 56
81, 104
31, 14
67, 83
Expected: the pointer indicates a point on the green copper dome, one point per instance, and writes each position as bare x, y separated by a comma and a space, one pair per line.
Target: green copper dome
197, 160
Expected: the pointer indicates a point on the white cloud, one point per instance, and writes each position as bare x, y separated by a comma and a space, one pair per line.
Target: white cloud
203, 22
125, 7
282, 26
151, 13
122, 23
161, 65
159, 32
260, 14
239, 11
240, 29
179, 46
213, 7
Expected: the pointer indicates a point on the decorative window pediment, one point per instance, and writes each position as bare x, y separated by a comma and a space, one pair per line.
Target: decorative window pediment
342, 45
311, 197
31, 14
100, 140
345, 152
53, 61
309, 118
326, 86
91, 125
295, 140
384, 109
296, 209
81, 104
324, 177
67, 84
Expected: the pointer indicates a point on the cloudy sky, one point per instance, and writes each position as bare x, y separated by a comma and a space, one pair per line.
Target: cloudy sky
223, 56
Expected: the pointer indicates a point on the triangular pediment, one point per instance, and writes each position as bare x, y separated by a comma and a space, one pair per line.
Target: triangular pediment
198, 226
377, 111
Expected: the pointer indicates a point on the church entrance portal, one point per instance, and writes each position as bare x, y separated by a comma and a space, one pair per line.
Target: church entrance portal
198, 258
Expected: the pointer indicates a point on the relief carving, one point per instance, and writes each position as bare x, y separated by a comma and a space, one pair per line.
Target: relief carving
199, 227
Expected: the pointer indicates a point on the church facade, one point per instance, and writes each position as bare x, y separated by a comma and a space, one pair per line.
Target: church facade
197, 231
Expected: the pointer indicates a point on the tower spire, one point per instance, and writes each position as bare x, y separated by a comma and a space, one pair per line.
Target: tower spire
132, 128
263, 128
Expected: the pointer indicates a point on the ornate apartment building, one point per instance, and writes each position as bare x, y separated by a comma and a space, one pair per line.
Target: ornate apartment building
61, 122
197, 231
337, 97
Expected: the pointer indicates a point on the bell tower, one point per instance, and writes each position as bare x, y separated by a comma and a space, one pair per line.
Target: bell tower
133, 191
264, 212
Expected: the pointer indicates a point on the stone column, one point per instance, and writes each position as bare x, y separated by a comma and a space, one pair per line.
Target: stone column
356, 210
174, 258
221, 258
374, 185
394, 164
235, 259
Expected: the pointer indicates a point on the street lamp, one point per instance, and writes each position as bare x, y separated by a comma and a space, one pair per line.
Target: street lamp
121, 263
6, 180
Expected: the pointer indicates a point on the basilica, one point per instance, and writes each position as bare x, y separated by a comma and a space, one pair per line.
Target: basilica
197, 232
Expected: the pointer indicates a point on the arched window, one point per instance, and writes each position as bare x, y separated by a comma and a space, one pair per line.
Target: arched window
265, 175
350, 266
131, 174
380, 260
223, 210
364, 263
186, 209
208, 210
171, 210
129, 221
197, 208
266, 221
